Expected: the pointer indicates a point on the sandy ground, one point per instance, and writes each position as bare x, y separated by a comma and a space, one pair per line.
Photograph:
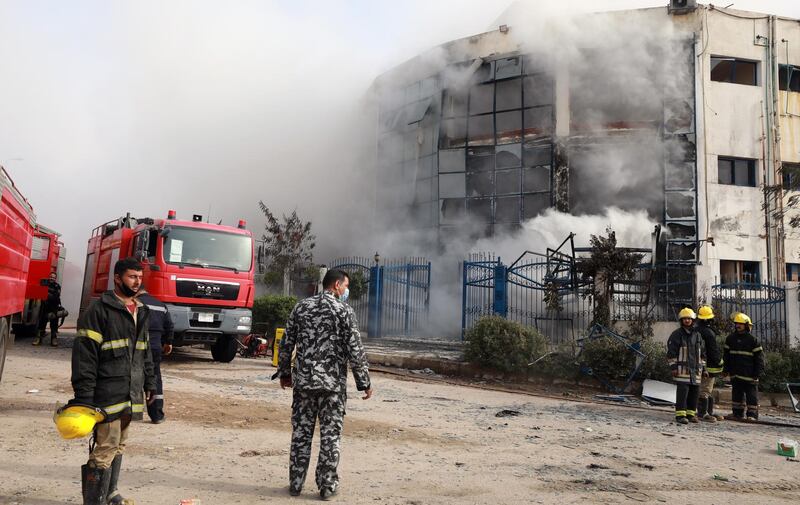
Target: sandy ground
227, 436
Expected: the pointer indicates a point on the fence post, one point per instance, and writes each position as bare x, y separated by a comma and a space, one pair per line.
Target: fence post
464, 266
408, 299
375, 302
500, 303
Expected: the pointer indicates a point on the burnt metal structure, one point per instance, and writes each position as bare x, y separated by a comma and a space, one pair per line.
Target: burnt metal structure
765, 304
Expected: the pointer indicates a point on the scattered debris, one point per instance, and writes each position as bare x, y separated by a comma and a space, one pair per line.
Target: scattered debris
33, 391
391, 401
617, 398
596, 466
667, 434
658, 393
424, 371
721, 478
793, 460
646, 466
508, 413
588, 430
787, 447
250, 453
615, 473
459, 463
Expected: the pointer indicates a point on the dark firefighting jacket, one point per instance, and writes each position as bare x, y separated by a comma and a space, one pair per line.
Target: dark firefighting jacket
53, 301
111, 361
713, 355
160, 327
744, 357
686, 355
325, 334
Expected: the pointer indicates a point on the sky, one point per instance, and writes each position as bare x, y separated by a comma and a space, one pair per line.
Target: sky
210, 106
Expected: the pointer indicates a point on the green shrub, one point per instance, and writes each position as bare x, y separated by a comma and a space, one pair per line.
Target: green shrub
561, 364
612, 360
272, 311
777, 371
503, 345
655, 365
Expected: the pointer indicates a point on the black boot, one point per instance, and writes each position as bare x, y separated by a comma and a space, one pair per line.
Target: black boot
711, 409
114, 498
702, 407
95, 484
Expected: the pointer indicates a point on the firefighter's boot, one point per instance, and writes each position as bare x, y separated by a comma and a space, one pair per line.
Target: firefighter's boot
114, 498
95, 484
718, 417
702, 407
37, 340
53, 340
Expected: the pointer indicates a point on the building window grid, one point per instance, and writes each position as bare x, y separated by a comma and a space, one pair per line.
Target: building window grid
521, 195
789, 78
734, 70
728, 172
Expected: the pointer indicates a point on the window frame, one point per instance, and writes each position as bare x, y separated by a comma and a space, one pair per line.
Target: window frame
752, 171
732, 77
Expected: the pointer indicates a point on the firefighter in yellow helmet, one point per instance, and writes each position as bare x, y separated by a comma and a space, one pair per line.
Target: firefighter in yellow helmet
744, 362
686, 356
705, 405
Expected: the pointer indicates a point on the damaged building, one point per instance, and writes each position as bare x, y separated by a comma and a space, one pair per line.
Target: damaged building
688, 112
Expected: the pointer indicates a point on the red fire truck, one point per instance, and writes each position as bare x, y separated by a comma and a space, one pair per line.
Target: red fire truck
47, 257
16, 237
203, 273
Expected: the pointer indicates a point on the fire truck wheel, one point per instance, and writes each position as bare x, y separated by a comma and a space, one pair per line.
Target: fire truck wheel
5, 341
224, 349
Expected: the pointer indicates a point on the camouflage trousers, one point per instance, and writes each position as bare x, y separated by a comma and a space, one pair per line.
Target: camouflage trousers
307, 407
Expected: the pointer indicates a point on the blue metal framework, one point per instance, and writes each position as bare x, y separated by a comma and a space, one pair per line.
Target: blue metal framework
765, 304
598, 332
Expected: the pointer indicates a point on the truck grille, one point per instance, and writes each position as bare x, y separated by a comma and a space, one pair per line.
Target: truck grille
206, 290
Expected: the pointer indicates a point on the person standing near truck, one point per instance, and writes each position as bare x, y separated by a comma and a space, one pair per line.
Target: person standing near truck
160, 329
49, 312
111, 369
323, 331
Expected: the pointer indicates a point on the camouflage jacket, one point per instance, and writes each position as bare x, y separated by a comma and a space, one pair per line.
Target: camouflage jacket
325, 333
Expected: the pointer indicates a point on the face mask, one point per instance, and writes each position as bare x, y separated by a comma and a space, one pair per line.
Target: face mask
126, 290
345, 295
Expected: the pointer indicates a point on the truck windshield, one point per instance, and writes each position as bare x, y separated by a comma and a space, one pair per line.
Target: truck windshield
208, 249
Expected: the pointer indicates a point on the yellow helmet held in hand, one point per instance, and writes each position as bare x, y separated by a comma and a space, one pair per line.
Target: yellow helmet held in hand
77, 420
742, 318
686, 312
705, 312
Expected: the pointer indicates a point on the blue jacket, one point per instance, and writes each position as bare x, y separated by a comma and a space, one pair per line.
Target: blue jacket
160, 326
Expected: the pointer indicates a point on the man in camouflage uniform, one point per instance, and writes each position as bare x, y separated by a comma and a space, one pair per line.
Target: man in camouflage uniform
324, 332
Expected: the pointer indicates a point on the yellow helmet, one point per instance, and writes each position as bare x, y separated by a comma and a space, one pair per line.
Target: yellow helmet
686, 312
742, 318
705, 312
77, 420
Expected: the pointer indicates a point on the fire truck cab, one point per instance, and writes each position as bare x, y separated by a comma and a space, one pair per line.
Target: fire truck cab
203, 272
47, 257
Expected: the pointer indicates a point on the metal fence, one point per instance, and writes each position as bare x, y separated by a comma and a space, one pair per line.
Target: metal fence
765, 304
390, 299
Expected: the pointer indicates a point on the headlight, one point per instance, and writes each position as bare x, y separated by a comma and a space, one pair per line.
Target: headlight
245, 320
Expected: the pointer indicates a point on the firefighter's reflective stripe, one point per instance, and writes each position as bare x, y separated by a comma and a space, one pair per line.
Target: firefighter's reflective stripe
757, 349
142, 345
117, 407
742, 377
742, 353
114, 344
137, 408
680, 413
714, 370
158, 397
96, 336
691, 413
157, 308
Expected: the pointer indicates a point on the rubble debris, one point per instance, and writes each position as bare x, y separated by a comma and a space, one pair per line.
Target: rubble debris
788, 447
721, 478
508, 413
658, 393
596, 466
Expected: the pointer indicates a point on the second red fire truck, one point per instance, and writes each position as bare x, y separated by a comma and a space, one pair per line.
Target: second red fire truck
203, 272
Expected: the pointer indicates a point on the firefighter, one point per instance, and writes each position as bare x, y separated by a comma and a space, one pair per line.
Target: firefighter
323, 330
160, 329
686, 357
111, 368
744, 363
705, 405
49, 312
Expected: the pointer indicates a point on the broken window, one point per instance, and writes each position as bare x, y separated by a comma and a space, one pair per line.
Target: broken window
454, 103
680, 205
791, 176
678, 231
507, 209
533, 205
481, 99
480, 184
480, 159
480, 209
535, 179
733, 70
452, 186
681, 148
509, 156
681, 251
507, 181
537, 90
735, 272
481, 130
417, 110
678, 116
452, 210
736, 171
679, 176
509, 127
452, 160
508, 67
793, 272
537, 154
538, 122
453, 133
484, 73
789, 78
509, 94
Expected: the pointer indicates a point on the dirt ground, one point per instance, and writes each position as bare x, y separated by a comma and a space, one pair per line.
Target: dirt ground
227, 435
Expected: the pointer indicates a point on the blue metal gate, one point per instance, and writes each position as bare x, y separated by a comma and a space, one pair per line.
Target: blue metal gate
765, 304
395, 296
